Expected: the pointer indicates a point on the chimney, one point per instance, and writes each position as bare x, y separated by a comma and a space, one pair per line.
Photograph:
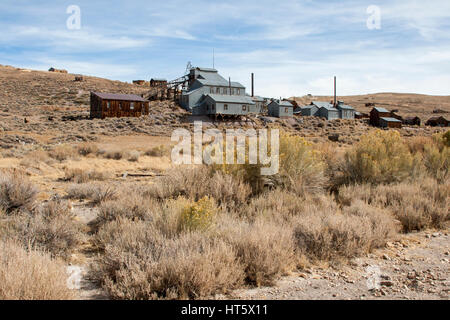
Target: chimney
253, 84
335, 91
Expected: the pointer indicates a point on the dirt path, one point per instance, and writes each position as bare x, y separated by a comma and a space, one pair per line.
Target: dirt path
415, 267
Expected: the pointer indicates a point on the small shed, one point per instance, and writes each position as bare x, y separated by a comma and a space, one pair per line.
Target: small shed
226, 105
280, 109
106, 105
437, 122
345, 111
378, 113
158, 82
260, 104
328, 112
412, 121
389, 122
310, 110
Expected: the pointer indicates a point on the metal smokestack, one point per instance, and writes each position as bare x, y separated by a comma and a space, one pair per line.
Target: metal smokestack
253, 84
335, 90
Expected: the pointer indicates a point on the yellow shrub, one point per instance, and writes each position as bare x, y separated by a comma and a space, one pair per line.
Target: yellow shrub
198, 215
379, 157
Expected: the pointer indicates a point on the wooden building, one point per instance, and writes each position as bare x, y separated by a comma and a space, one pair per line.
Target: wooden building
378, 113
141, 82
437, 122
106, 105
158, 82
57, 70
412, 121
280, 109
389, 122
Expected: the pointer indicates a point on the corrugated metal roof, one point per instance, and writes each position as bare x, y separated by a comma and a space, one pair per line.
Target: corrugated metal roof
329, 107
231, 99
389, 119
346, 107
206, 69
381, 109
283, 103
116, 96
320, 104
159, 79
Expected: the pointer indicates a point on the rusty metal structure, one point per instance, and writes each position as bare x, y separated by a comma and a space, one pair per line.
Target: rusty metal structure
107, 105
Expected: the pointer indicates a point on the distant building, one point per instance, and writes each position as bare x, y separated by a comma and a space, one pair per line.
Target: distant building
412, 121
210, 93
158, 82
360, 115
260, 105
104, 105
310, 110
345, 111
280, 109
328, 111
377, 113
437, 122
389, 122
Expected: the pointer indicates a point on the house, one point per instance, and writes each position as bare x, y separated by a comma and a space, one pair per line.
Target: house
157, 82
376, 113
327, 111
345, 111
412, 121
260, 105
389, 122
310, 110
280, 108
437, 122
228, 96
104, 105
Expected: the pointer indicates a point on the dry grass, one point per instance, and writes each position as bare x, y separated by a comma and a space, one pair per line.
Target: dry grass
417, 205
31, 275
159, 151
140, 263
113, 154
82, 176
16, 192
133, 156
62, 152
264, 249
50, 228
87, 148
96, 192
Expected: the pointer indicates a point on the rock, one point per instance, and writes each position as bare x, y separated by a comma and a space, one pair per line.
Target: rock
387, 283
386, 257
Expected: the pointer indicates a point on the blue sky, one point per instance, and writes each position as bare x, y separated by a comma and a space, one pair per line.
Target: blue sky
293, 47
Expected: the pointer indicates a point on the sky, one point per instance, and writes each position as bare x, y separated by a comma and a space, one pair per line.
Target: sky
294, 47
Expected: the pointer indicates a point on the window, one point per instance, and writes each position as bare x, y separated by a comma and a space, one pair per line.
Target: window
232, 91
238, 91
286, 110
244, 107
213, 107
218, 90
212, 90
225, 107
120, 105
131, 105
224, 91
108, 104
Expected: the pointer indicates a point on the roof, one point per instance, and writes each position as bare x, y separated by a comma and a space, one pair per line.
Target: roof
257, 98
159, 79
206, 69
389, 119
437, 118
283, 103
380, 109
116, 96
230, 99
320, 104
309, 107
218, 82
344, 106
329, 107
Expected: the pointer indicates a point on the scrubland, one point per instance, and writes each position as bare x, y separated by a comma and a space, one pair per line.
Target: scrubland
198, 231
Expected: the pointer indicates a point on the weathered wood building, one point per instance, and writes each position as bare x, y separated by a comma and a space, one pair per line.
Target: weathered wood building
107, 105
378, 113
157, 82
280, 109
412, 121
389, 122
437, 122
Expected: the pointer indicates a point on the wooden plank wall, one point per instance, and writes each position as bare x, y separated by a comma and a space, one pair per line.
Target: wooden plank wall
117, 108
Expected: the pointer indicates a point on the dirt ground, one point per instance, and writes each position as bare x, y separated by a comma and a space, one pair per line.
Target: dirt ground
414, 267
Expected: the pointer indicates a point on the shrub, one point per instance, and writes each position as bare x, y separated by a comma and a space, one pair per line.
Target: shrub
417, 205
16, 192
114, 154
379, 157
265, 249
196, 183
31, 275
437, 163
197, 215
159, 151
50, 227
334, 234
87, 148
98, 193
82, 176
133, 156
140, 263
61, 153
